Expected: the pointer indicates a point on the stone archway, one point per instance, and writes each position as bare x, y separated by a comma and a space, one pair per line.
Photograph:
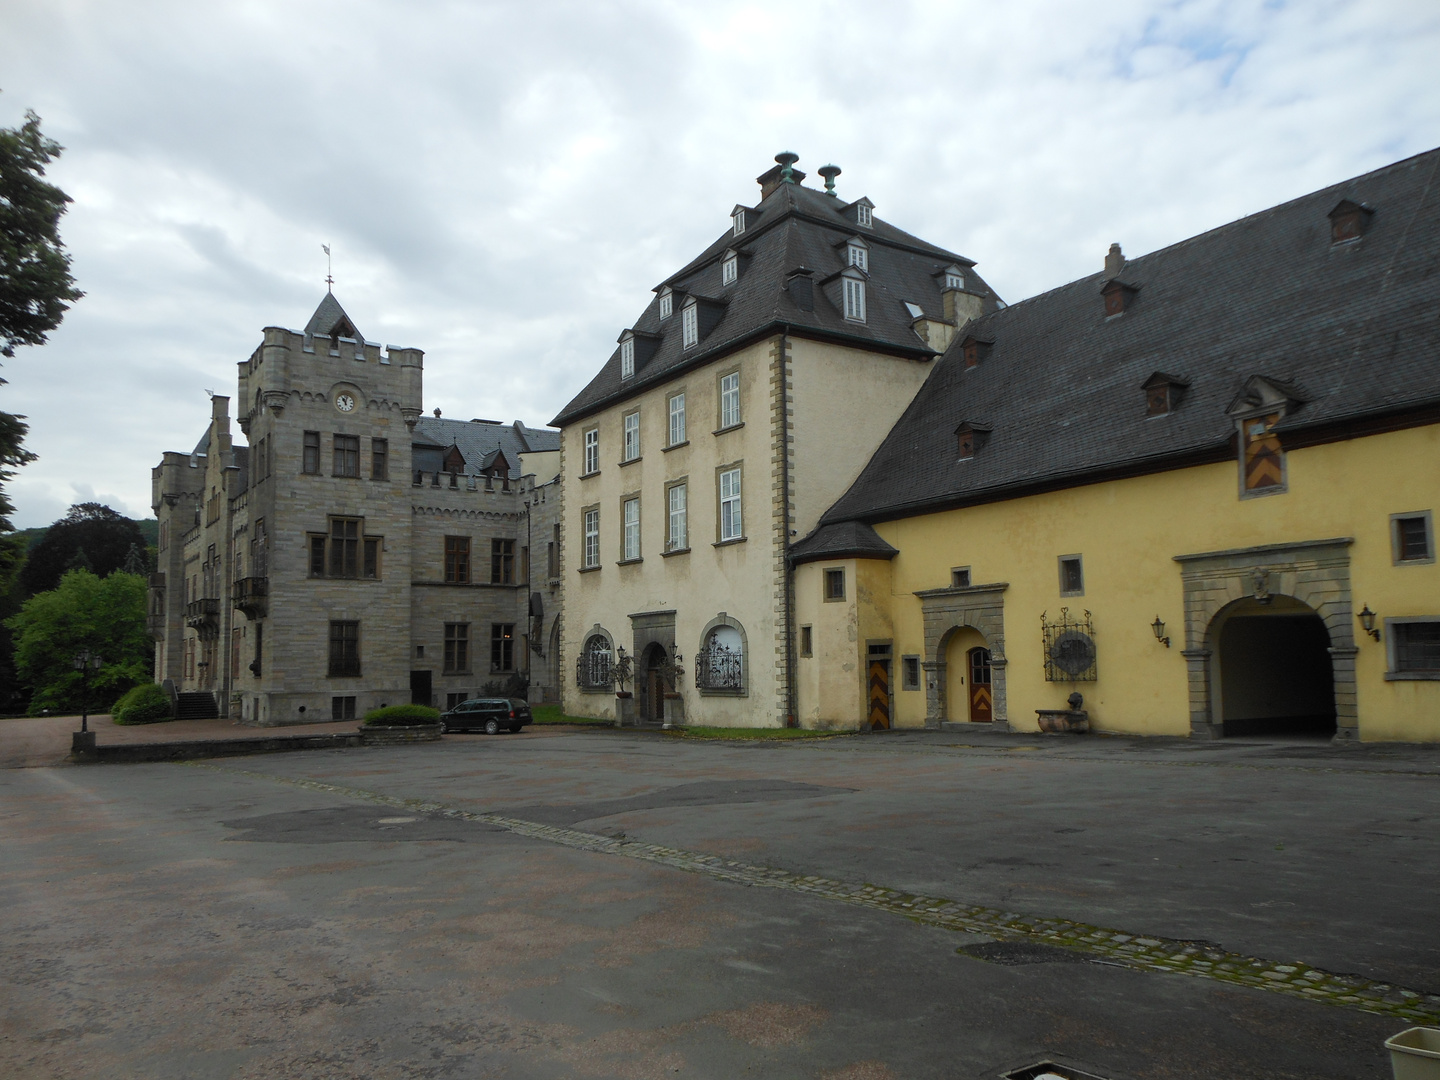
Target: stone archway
979, 607
1271, 669
1316, 573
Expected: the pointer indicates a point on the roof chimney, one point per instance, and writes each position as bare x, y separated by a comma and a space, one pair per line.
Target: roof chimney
783, 173
800, 284
1114, 262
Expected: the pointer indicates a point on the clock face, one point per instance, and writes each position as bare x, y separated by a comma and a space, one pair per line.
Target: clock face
345, 402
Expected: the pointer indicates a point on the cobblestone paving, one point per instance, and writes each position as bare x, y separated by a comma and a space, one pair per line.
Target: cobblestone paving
1103, 945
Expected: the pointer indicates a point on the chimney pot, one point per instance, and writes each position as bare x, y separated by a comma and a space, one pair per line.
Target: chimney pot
1114, 262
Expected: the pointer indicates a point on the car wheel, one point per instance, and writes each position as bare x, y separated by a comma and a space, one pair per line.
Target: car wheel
491, 727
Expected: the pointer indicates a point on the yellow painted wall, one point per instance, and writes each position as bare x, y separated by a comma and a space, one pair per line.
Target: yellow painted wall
1128, 532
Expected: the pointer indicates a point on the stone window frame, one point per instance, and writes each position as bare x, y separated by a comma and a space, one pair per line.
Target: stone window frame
630, 437
671, 548
379, 459
1391, 672
626, 501
723, 424
807, 640
597, 631
1395, 520
590, 451
457, 648
910, 671
589, 553
722, 471
1079, 561
961, 577
671, 416
1315, 572
830, 595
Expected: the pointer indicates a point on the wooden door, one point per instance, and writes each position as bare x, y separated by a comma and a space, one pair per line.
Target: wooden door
879, 694
655, 686
982, 706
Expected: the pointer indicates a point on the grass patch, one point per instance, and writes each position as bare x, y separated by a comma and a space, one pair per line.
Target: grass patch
743, 733
551, 714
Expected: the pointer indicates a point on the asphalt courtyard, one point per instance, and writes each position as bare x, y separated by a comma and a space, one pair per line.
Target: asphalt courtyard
569, 903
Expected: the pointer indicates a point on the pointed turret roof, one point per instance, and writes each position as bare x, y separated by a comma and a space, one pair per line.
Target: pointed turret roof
330, 320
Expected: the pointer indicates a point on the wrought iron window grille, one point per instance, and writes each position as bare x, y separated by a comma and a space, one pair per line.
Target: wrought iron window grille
720, 668
594, 670
1069, 644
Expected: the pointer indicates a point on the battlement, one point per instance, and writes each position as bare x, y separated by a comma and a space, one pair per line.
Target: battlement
340, 348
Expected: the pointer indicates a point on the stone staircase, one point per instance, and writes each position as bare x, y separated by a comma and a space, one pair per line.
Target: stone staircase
196, 706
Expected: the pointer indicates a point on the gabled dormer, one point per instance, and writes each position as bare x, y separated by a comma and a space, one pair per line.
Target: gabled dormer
741, 218
1119, 296
636, 349
855, 252
974, 348
951, 277
454, 461
729, 267
1262, 403
698, 316
970, 438
852, 294
667, 302
1348, 221
1163, 393
860, 213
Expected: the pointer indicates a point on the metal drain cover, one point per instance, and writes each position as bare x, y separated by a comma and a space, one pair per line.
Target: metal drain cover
1017, 953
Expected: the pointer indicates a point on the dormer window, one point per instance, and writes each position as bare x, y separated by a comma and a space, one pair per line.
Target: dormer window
667, 302
729, 268
854, 285
862, 216
1118, 295
969, 438
975, 349
1348, 221
1163, 393
689, 324
627, 358
954, 278
737, 221
1256, 410
858, 256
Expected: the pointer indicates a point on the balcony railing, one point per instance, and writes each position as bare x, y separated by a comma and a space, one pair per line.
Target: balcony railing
250, 596
203, 615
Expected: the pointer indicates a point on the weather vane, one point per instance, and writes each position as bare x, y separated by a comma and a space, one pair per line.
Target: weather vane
329, 274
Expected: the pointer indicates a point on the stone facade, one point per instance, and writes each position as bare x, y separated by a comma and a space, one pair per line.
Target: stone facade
352, 555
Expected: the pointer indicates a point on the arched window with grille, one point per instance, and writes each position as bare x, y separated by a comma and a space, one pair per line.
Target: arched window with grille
593, 668
720, 663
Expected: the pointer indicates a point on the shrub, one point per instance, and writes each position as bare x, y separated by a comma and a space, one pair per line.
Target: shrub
145, 704
515, 686
403, 716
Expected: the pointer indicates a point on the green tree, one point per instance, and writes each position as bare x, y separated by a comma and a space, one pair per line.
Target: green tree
35, 282
105, 615
90, 536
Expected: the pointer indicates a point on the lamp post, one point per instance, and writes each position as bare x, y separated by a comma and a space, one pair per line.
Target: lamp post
84, 662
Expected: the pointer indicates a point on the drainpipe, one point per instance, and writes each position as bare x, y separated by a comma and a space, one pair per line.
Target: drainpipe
789, 590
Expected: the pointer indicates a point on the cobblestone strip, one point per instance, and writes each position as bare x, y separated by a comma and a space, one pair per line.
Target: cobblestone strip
1197, 958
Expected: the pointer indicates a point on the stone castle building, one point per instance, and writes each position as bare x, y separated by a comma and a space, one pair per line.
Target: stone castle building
355, 553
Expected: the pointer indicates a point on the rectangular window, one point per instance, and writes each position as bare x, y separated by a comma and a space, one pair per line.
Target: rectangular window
371, 568
858, 257
627, 358
677, 536
347, 455
457, 648
729, 270
1412, 538
457, 559
1072, 576
960, 577
343, 551
677, 419
342, 708
524, 573
344, 548
502, 647
689, 326
502, 562
592, 538
630, 548
854, 299
256, 664
553, 553
729, 400
310, 463
632, 436
344, 649
259, 551
454, 701
807, 641
862, 215
731, 523
834, 584
592, 452
379, 459
738, 221
667, 304
1415, 647
910, 673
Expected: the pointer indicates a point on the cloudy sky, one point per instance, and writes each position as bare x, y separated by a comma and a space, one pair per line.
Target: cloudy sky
503, 183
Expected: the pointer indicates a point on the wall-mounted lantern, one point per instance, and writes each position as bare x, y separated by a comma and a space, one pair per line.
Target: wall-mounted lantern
1159, 627
1367, 622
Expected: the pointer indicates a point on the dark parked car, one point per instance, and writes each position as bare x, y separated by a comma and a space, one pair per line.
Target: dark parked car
486, 714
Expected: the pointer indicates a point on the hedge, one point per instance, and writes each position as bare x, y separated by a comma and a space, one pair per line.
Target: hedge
144, 704
403, 716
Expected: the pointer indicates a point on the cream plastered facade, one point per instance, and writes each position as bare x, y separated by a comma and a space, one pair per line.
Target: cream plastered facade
1178, 545
835, 403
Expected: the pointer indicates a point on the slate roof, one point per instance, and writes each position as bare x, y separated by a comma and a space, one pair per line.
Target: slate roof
330, 318
1353, 327
477, 440
793, 227
843, 540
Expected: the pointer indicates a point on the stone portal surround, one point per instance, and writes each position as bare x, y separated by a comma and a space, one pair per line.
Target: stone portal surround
1315, 572
981, 607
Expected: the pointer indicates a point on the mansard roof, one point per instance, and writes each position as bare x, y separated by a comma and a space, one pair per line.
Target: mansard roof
1351, 331
478, 441
793, 227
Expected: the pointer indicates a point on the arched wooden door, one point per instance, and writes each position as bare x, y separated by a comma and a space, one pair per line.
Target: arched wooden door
982, 702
